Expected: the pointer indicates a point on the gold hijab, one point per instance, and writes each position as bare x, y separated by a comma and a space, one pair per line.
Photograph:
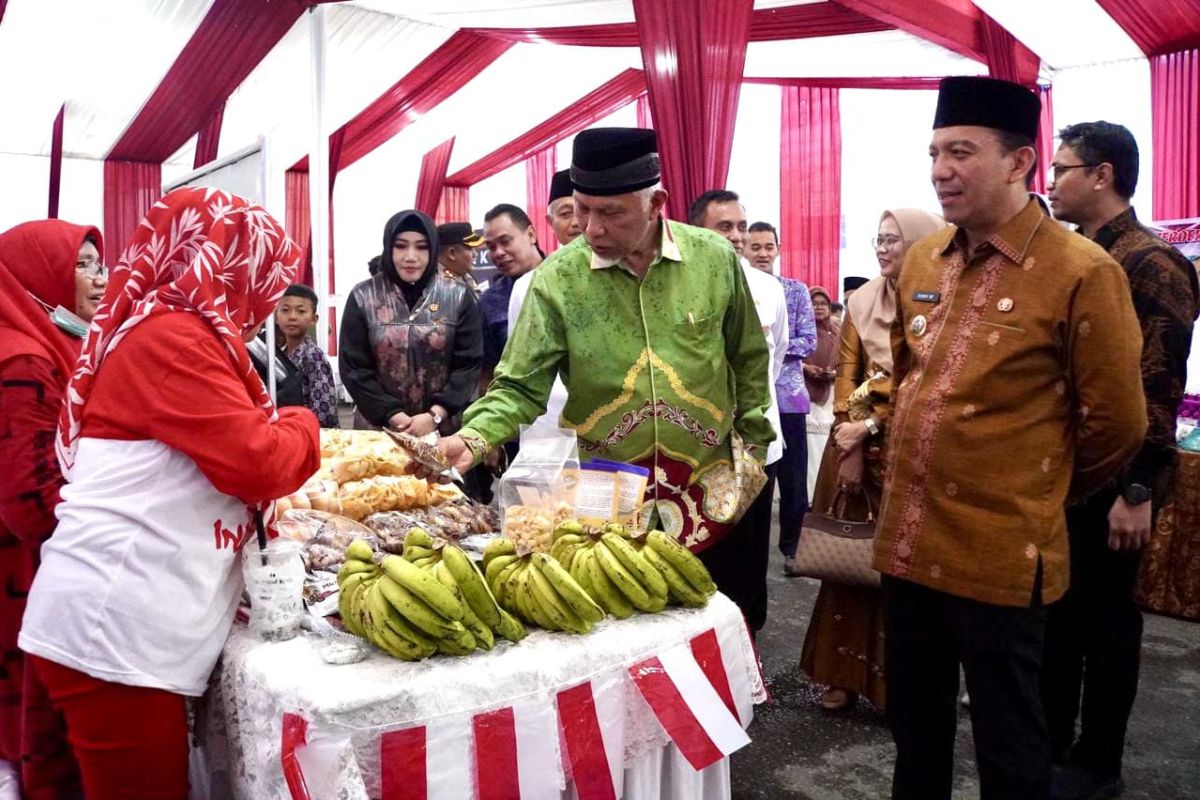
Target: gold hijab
873, 306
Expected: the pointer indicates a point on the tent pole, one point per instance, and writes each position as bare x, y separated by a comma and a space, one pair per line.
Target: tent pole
318, 176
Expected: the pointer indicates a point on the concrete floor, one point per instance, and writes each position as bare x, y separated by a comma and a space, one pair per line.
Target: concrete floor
799, 752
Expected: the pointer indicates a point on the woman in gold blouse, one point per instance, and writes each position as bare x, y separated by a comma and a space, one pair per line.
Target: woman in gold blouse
844, 647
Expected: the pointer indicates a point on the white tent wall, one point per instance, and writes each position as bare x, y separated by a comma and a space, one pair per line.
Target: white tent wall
81, 192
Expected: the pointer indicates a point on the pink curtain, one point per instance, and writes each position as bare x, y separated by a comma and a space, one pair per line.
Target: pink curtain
539, 170
1175, 113
1158, 26
1045, 139
644, 118
456, 204
208, 139
433, 177
130, 188
810, 185
56, 157
770, 24
442, 73
233, 38
297, 220
593, 106
693, 52
1004, 57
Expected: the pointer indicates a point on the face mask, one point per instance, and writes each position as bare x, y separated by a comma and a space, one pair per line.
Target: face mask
69, 322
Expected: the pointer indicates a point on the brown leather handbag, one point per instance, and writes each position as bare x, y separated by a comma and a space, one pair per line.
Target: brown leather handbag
836, 549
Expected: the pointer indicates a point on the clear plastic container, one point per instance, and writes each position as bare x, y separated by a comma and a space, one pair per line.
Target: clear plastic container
275, 582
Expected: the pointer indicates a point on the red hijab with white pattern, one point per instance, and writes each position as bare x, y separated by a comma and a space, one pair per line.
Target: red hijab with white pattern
198, 251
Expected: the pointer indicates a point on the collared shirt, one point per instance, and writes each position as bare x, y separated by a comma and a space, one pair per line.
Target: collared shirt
493, 311
1167, 301
1017, 383
558, 393
773, 314
802, 342
660, 371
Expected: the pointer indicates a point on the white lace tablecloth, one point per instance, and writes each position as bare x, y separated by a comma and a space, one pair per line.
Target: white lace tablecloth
239, 727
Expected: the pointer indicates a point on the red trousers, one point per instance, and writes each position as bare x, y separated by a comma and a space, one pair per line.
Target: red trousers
131, 742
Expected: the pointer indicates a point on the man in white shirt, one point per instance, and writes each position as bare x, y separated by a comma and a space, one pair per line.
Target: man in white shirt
561, 215
722, 211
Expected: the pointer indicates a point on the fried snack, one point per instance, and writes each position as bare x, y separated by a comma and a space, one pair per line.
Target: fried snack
359, 499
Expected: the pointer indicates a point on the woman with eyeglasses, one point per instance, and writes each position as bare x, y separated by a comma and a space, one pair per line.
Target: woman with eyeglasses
49, 270
844, 646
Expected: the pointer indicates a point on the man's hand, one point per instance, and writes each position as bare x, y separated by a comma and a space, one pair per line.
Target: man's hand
421, 425
1128, 526
849, 435
850, 469
400, 422
455, 450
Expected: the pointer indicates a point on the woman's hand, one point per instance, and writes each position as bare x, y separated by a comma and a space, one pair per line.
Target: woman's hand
421, 424
400, 422
849, 436
850, 470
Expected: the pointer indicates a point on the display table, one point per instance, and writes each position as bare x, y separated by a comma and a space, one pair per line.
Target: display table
1170, 579
555, 716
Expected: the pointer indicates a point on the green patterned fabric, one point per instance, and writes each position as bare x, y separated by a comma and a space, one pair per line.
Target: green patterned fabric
659, 371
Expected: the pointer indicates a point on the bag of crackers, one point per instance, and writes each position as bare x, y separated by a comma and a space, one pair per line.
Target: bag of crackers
537, 493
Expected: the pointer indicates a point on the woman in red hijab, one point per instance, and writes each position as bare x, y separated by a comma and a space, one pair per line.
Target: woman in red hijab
43, 265
171, 446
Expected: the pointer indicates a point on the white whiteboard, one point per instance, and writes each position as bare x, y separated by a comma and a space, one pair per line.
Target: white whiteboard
243, 173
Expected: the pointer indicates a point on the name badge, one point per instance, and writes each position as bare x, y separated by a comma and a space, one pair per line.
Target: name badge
927, 297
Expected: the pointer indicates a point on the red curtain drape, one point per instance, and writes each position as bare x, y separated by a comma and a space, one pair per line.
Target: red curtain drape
1158, 26
433, 177
810, 185
1003, 53
208, 139
644, 118
1175, 113
442, 73
593, 106
769, 24
130, 189
233, 38
456, 204
539, 170
1045, 139
297, 220
693, 52
56, 157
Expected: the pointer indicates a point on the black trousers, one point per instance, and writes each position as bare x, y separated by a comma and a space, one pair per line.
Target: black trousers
793, 480
738, 563
1093, 644
929, 633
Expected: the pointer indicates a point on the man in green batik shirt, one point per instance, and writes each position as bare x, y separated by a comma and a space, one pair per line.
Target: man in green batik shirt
655, 335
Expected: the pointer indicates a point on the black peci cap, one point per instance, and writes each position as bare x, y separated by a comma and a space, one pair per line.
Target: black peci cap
609, 161
988, 103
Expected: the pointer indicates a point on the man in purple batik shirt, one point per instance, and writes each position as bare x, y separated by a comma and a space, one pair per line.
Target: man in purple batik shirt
762, 250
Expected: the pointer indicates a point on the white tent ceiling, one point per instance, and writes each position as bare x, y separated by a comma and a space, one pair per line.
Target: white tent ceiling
104, 59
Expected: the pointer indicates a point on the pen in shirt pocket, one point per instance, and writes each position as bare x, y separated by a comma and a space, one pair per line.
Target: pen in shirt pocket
692, 320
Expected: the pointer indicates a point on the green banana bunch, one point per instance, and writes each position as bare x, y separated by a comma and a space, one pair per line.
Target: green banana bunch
686, 576
539, 590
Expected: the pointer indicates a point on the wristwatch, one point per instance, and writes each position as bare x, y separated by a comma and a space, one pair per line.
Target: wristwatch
1135, 494
872, 425
437, 418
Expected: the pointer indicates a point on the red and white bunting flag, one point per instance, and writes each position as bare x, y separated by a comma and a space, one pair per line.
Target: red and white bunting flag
409, 773
292, 741
516, 754
719, 655
591, 718
691, 710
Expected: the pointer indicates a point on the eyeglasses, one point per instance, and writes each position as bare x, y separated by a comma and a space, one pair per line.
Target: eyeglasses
92, 269
1056, 170
885, 242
